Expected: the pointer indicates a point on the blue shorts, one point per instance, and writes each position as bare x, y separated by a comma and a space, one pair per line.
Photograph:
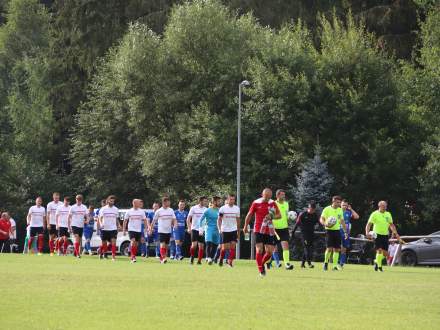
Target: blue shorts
179, 234
212, 235
345, 242
154, 237
88, 233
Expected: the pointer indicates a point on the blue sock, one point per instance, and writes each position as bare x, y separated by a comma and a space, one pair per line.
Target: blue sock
157, 249
217, 253
342, 258
87, 245
178, 251
172, 248
143, 249
276, 257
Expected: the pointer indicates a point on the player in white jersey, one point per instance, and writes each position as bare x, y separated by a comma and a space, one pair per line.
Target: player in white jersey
62, 225
193, 224
52, 221
76, 220
109, 224
36, 218
135, 217
228, 225
166, 219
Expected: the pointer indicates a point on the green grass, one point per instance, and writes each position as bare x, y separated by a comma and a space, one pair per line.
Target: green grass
42, 292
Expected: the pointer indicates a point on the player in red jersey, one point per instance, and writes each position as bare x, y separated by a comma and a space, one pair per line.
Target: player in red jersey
265, 210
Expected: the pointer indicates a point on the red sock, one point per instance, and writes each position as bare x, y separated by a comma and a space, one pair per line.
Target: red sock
222, 255
76, 248
66, 244
103, 248
200, 256
231, 255
163, 253
40, 243
113, 250
259, 260
133, 253
57, 244
31, 240
51, 245
191, 251
266, 257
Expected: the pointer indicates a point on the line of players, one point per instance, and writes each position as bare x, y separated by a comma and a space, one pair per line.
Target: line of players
222, 227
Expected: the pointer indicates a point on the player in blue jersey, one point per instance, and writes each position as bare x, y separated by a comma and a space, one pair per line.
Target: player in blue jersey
88, 230
143, 245
212, 236
95, 217
154, 236
179, 232
349, 214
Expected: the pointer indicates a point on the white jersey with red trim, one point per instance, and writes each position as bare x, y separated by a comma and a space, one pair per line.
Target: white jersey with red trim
78, 213
63, 214
51, 212
164, 218
135, 219
229, 216
196, 213
37, 214
110, 217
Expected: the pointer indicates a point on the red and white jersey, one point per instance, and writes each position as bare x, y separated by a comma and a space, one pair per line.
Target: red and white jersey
196, 213
164, 218
135, 219
37, 214
78, 213
63, 213
260, 208
110, 217
229, 216
51, 212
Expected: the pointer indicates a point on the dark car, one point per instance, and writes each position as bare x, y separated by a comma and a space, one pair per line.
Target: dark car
425, 251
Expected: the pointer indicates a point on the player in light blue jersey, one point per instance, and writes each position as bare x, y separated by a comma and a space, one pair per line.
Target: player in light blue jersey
179, 232
349, 214
212, 236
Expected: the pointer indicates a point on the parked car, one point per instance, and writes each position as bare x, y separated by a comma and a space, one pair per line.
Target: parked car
425, 251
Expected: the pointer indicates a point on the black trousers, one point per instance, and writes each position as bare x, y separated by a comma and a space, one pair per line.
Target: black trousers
307, 242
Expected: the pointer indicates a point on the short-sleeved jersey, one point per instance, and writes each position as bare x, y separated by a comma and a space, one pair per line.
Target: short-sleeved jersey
282, 223
90, 225
37, 214
78, 213
51, 212
381, 222
330, 212
63, 215
5, 225
164, 217
110, 217
229, 215
209, 217
307, 221
181, 218
136, 218
196, 213
260, 208
14, 230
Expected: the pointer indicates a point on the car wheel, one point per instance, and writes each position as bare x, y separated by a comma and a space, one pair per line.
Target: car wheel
408, 258
125, 249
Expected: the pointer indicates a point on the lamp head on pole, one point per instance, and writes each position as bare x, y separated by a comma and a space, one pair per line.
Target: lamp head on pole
245, 83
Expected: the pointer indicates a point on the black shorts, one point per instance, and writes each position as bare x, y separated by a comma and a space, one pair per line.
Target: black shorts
266, 239
381, 242
164, 238
36, 231
333, 239
52, 229
134, 234
63, 231
196, 237
77, 231
283, 234
108, 235
229, 236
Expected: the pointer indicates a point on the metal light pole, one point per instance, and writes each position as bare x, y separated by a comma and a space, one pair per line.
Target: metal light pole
244, 83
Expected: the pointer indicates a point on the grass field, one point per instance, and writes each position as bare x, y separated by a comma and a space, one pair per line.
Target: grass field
42, 292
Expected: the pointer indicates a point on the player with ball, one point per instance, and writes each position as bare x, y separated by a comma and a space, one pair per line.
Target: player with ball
332, 218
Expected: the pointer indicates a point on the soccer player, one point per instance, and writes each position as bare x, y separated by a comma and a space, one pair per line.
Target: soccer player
109, 224
52, 221
193, 224
332, 218
62, 217
306, 221
282, 227
88, 229
36, 218
144, 233
76, 220
229, 226
382, 222
135, 217
154, 237
179, 232
166, 219
349, 214
212, 235
5, 231
265, 210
